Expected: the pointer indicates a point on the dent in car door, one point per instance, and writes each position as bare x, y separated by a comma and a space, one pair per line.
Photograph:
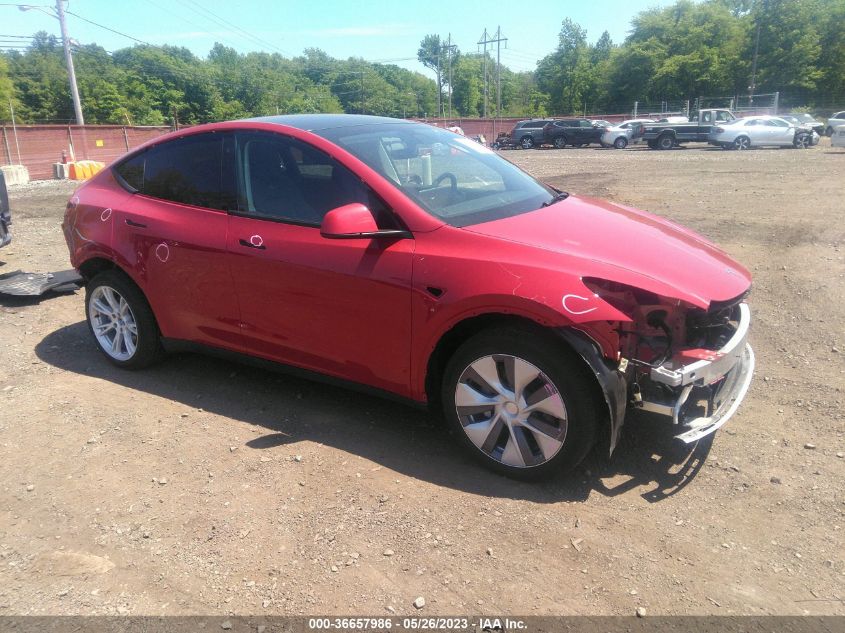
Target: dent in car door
340, 307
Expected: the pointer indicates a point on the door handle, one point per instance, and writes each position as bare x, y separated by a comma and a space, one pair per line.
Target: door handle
254, 242
130, 222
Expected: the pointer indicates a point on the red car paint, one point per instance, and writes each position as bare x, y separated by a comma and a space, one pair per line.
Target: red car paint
372, 311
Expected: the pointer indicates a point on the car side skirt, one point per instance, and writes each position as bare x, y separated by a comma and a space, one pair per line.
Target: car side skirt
172, 345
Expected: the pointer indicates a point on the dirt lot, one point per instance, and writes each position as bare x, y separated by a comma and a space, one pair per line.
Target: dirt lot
202, 486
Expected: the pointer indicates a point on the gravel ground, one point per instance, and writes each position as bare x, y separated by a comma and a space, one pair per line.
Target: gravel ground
202, 486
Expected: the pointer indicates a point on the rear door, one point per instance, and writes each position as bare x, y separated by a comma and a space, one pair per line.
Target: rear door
171, 236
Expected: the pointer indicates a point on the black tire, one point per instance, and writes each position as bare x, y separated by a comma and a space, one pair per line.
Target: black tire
148, 349
559, 367
620, 143
559, 142
829, 131
526, 142
665, 142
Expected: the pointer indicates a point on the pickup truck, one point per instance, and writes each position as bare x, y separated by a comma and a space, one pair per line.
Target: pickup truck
669, 135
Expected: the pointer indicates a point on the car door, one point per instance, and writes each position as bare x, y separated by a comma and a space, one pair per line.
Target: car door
171, 235
780, 132
336, 306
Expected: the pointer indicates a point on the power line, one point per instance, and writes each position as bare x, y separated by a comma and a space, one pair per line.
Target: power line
76, 15
220, 21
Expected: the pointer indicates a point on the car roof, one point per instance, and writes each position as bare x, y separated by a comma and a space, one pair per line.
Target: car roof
316, 122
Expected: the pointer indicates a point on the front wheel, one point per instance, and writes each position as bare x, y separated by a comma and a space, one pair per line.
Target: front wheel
520, 405
802, 141
620, 143
121, 321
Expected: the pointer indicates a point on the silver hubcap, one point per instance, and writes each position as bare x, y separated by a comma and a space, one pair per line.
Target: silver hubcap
741, 143
113, 323
511, 410
802, 142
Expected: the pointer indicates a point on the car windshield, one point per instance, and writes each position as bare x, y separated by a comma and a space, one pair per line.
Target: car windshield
454, 178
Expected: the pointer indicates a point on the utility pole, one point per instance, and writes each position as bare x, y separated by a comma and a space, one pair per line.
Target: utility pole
497, 40
753, 85
484, 41
449, 49
74, 91
362, 92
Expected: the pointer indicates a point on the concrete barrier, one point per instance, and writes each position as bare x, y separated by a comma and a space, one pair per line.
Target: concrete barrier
15, 174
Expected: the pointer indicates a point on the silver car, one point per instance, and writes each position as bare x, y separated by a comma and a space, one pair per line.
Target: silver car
759, 131
623, 134
837, 136
837, 119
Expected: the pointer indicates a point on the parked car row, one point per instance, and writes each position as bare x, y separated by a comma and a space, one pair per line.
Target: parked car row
559, 133
718, 127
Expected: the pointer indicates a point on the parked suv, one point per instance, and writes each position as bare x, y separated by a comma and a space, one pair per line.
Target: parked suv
528, 134
413, 262
576, 132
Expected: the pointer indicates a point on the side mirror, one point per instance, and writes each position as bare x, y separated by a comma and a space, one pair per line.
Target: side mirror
355, 221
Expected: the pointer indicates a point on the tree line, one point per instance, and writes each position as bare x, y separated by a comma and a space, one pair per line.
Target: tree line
680, 52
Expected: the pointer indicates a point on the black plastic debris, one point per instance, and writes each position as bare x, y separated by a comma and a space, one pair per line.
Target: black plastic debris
24, 284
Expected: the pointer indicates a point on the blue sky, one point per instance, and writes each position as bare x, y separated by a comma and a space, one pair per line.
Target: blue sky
374, 29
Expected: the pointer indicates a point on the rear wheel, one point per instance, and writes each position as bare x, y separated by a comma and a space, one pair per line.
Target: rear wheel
620, 143
520, 405
121, 321
559, 142
666, 142
526, 142
742, 143
828, 131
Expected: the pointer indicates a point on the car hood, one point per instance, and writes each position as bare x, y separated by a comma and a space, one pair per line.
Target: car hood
623, 244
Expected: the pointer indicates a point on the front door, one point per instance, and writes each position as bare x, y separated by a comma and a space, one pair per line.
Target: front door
340, 307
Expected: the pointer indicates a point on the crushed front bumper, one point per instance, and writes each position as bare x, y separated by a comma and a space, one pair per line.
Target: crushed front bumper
706, 387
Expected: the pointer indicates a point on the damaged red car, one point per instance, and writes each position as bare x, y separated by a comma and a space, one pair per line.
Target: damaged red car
416, 263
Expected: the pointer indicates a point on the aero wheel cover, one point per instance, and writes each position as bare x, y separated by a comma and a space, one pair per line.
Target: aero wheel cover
511, 411
113, 323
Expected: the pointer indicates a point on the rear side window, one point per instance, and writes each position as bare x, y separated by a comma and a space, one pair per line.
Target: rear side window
132, 172
195, 170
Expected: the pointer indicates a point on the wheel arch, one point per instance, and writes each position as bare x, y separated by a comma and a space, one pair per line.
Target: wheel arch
608, 390
93, 266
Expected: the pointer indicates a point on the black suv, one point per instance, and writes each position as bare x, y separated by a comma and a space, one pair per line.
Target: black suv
528, 134
576, 132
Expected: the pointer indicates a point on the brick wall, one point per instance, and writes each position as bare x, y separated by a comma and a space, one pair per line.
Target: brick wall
41, 145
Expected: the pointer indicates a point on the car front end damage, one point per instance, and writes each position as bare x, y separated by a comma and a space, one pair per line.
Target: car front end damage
691, 366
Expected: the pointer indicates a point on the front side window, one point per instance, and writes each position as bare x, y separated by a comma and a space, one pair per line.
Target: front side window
777, 123
283, 179
454, 178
